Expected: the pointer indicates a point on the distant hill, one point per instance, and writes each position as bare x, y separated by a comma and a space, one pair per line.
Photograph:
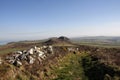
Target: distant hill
59, 40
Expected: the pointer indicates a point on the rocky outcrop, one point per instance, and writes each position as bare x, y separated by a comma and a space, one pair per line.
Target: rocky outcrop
63, 38
30, 56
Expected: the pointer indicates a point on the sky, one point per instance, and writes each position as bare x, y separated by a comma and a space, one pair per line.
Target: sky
39, 19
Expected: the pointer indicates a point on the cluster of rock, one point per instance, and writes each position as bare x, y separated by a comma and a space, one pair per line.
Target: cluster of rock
30, 55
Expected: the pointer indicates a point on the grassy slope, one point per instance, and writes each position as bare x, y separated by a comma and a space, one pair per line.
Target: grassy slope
82, 66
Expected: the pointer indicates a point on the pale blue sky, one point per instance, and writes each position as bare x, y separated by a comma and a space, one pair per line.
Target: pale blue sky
38, 19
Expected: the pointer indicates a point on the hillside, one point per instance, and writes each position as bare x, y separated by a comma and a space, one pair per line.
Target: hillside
78, 62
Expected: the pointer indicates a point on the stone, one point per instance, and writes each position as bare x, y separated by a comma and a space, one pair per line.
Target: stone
31, 51
31, 60
19, 52
17, 63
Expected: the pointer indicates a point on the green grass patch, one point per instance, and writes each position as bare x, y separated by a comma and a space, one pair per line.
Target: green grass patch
70, 68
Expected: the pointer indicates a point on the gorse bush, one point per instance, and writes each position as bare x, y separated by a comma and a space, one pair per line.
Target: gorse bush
95, 70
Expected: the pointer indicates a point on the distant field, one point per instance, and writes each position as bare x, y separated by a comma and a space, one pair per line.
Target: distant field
100, 44
100, 41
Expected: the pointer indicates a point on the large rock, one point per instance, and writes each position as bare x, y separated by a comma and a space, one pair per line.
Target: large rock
17, 63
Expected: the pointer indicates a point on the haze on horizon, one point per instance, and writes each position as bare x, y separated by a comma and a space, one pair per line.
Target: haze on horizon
38, 19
